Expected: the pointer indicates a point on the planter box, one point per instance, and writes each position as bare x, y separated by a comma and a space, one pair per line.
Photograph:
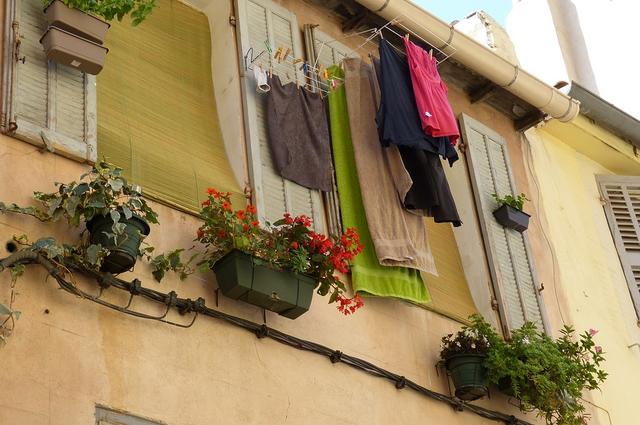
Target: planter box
68, 49
242, 277
122, 255
76, 22
512, 218
469, 375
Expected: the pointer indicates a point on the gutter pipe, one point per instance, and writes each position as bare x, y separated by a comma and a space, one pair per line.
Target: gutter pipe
477, 57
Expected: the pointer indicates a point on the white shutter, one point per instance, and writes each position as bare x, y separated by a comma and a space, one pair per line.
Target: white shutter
262, 23
50, 104
323, 51
508, 251
622, 207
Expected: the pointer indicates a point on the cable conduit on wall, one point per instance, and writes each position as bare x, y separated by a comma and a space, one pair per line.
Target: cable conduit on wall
198, 307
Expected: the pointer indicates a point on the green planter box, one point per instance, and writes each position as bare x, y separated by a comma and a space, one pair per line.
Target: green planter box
469, 375
122, 256
242, 277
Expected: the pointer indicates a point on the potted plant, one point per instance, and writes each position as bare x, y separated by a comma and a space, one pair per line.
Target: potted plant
77, 28
465, 354
116, 216
510, 213
548, 375
277, 266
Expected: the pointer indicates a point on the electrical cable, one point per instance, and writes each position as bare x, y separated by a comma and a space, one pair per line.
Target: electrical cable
198, 307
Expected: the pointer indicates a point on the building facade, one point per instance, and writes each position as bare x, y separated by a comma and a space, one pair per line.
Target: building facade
176, 107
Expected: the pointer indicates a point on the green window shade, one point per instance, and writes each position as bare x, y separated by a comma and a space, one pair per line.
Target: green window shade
157, 115
449, 290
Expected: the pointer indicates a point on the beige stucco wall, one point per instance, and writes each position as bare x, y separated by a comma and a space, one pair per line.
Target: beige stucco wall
588, 270
57, 366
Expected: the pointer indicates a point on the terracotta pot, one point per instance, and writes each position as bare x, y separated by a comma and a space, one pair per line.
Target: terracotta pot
68, 49
76, 22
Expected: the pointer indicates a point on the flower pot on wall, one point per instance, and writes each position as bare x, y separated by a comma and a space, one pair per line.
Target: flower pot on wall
122, 256
512, 218
76, 22
469, 375
243, 277
69, 49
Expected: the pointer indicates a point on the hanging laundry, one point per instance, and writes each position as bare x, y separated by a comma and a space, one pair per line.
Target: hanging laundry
399, 237
299, 135
430, 91
260, 76
430, 194
398, 119
367, 275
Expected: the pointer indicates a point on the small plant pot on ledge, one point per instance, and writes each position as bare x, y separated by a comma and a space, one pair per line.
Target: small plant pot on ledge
243, 277
512, 218
469, 375
72, 50
76, 22
122, 255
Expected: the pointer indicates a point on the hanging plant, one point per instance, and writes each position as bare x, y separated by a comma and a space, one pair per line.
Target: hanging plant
510, 214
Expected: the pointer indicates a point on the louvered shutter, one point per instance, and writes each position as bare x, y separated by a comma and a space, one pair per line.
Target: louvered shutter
50, 104
508, 251
263, 23
324, 51
621, 197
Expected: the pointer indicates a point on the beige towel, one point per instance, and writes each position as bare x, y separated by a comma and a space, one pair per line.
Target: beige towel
399, 237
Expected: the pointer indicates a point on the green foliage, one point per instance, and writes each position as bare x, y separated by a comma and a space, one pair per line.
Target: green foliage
110, 9
516, 202
102, 191
545, 374
477, 338
170, 261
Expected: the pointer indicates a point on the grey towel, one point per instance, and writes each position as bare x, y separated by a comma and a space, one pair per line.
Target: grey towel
399, 237
299, 135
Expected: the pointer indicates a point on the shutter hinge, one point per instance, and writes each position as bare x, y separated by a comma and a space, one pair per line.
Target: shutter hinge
603, 201
233, 20
541, 288
494, 304
15, 26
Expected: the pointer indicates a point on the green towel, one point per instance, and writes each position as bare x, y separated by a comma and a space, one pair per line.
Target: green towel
367, 275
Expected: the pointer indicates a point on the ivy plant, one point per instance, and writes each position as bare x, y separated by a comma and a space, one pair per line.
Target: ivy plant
113, 9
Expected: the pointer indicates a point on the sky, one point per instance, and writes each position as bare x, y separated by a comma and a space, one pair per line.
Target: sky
451, 10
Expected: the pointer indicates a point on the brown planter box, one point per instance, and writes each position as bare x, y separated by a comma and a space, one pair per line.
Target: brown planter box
76, 22
69, 49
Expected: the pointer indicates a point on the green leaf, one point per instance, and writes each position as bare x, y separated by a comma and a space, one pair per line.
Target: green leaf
17, 314
158, 274
4, 309
116, 184
43, 243
115, 216
127, 212
93, 252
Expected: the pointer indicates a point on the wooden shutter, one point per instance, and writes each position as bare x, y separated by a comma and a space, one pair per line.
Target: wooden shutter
262, 23
47, 103
622, 207
508, 251
323, 51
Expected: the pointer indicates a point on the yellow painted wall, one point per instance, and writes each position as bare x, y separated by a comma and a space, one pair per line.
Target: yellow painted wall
57, 366
588, 274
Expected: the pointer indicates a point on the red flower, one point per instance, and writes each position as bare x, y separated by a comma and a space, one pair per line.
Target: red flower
255, 223
206, 203
251, 209
240, 214
245, 227
227, 206
212, 191
287, 218
294, 245
222, 233
200, 233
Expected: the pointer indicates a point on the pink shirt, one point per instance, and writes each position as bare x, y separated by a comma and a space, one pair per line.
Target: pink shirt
436, 115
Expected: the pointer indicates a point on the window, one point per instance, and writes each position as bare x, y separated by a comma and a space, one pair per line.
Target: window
262, 23
622, 208
157, 115
106, 416
509, 255
44, 103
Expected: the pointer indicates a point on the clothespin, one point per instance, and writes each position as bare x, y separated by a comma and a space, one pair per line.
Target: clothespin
430, 53
278, 54
298, 60
270, 71
325, 75
287, 53
333, 84
268, 46
406, 36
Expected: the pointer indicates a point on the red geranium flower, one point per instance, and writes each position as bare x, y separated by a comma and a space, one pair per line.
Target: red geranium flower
251, 209
240, 214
